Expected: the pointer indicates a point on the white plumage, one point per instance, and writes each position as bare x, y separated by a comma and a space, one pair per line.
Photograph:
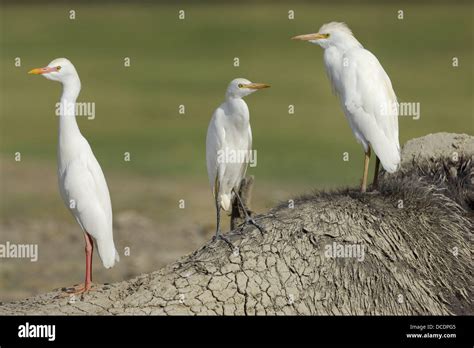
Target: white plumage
367, 97
229, 131
229, 136
84, 191
81, 181
364, 90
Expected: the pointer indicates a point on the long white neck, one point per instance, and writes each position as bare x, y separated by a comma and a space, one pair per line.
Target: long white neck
68, 127
238, 111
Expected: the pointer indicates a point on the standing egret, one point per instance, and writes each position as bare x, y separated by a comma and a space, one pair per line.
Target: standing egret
228, 147
365, 92
81, 182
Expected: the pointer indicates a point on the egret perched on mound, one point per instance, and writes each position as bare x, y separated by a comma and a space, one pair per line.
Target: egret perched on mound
228, 147
365, 93
81, 182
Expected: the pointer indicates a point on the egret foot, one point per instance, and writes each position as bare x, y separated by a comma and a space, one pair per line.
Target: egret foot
251, 221
86, 286
79, 289
248, 218
75, 290
225, 239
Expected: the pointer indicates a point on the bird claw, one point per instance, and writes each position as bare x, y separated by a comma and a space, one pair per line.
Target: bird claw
225, 239
260, 228
79, 289
251, 221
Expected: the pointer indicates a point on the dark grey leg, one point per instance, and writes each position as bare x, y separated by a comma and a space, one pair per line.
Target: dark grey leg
218, 234
375, 183
248, 218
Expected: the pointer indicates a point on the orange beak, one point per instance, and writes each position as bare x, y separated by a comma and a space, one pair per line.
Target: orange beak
309, 37
39, 71
256, 85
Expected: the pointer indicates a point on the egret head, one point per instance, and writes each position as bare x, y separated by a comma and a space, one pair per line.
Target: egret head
239, 88
331, 34
60, 69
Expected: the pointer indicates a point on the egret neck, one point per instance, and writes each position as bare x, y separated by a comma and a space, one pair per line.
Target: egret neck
238, 112
69, 133
68, 127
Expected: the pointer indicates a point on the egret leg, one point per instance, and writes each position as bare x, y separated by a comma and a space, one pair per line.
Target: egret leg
89, 249
218, 223
375, 183
218, 234
363, 187
248, 218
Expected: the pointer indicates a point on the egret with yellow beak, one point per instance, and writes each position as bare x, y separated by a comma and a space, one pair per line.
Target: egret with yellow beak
82, 184
228, 147
365, 92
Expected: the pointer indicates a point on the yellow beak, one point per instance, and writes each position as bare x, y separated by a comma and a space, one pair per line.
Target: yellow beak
39, 71
308, 37
256, 85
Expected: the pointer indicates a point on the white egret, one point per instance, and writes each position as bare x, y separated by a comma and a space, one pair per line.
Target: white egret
365, 92
82, 184
228, 146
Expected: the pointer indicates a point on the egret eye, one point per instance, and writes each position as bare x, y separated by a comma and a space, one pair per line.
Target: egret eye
58, 68
327, 35
240, 85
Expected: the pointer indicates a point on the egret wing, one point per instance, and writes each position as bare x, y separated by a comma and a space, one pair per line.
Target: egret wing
214, 142
371, 103
87, 195
249, 149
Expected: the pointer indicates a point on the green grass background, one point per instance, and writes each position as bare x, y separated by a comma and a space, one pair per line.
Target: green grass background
190, 62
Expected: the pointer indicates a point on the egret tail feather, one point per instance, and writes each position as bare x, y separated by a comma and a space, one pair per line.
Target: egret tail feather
107, 252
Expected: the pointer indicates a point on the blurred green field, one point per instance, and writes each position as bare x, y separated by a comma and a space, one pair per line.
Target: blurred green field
190, 62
